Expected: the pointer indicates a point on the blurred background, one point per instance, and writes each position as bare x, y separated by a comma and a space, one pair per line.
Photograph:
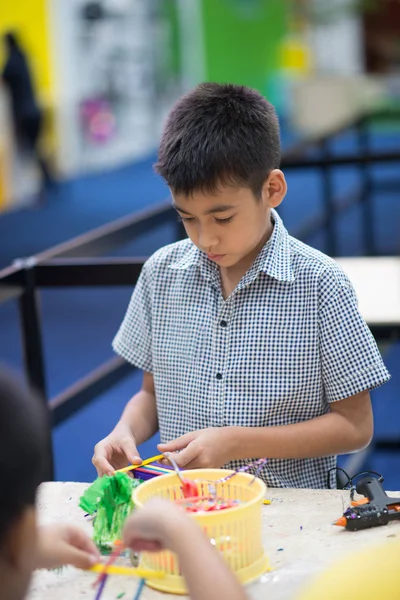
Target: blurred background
84, 90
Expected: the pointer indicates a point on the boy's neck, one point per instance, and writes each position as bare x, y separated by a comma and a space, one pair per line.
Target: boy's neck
230, 276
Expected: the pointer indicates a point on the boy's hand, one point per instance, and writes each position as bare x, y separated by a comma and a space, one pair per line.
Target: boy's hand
155, 527
60, 545
161, 525
116, 451
205, 448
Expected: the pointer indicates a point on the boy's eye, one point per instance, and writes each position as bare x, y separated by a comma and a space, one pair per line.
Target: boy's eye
192, 219
222, 221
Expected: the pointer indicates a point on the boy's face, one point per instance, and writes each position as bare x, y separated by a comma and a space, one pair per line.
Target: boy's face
231, 224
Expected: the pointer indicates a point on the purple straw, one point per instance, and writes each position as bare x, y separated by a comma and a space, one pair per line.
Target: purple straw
101, 588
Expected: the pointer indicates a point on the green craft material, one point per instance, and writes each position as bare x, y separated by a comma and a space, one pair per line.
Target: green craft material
109, 498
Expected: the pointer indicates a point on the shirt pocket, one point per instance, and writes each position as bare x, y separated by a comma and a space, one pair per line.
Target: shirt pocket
177, 345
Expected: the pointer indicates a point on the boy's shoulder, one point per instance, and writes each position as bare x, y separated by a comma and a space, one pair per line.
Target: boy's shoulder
314, 264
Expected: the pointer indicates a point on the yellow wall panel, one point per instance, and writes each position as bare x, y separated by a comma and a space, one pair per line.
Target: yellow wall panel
29, 19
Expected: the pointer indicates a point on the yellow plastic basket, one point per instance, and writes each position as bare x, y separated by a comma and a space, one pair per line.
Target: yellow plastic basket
235, 532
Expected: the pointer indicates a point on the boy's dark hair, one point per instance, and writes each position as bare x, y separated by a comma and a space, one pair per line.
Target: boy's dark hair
23, 441
219, 134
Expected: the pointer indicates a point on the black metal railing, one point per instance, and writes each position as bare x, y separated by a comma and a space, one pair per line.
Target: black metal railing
77, 263
57, 267
363, 195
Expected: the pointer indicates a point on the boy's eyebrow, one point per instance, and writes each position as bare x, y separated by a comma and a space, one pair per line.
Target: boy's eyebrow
215, 209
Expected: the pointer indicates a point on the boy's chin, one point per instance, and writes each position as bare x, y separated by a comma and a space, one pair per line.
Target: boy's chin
231, 260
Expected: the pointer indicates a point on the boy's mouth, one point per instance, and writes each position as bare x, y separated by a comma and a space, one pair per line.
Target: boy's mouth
215, 257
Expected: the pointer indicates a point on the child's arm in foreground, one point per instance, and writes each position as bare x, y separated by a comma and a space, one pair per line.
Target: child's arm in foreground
160, 525
137, 424
348, 427
65, 544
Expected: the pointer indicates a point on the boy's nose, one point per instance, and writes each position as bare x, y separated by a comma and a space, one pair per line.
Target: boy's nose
208, 241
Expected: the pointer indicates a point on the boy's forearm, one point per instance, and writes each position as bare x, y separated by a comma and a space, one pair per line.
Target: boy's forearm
326, 435
140, 414
205, 572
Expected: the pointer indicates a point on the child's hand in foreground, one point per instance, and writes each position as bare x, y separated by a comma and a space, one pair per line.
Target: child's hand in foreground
65, 544
163, 525
155, 527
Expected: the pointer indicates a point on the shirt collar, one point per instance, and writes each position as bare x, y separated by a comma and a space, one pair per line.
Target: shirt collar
274, 259
189, 259
194, 257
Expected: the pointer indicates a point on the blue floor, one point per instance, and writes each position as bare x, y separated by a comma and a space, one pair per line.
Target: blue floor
78, 325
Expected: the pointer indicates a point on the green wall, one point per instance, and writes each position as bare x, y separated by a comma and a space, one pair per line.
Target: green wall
241, 38
171, 12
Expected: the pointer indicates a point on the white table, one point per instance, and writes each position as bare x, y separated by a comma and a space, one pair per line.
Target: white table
377, 283
298, 538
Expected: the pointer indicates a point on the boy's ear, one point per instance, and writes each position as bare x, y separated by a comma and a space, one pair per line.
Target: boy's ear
19, 544
274, 189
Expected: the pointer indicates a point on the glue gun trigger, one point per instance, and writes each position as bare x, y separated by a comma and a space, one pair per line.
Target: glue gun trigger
359, 502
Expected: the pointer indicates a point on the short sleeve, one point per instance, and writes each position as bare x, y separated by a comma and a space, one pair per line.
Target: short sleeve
133, 340
351, 361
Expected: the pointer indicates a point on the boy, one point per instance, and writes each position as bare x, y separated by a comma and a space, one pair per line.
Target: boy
23, 546
251, 342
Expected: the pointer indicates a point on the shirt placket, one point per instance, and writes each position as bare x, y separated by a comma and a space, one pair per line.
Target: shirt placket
221, 340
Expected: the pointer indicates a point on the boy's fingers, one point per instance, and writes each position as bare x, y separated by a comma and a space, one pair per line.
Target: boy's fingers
146, 546
79, 558
130, 534
127, 532
100, 460
178, 444
186, 456
138, 538
138, 544
81, 541
102, 465
128, 446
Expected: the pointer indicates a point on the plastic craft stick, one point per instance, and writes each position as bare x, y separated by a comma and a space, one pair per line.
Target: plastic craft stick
140, 589
148, 461
148, 471
157, 468
100, 590
113, 557
130, 571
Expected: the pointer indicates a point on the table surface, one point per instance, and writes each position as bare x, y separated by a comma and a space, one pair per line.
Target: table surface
376, 281
298, 535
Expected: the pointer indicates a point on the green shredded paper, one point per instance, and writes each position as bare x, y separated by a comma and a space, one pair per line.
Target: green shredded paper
109, 498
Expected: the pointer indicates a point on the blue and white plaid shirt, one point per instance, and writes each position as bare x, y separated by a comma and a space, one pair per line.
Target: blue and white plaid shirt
288, 341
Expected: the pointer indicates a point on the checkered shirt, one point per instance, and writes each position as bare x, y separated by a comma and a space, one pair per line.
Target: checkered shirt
286, 343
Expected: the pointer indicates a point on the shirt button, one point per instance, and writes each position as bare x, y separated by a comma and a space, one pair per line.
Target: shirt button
219, 375
223, 323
